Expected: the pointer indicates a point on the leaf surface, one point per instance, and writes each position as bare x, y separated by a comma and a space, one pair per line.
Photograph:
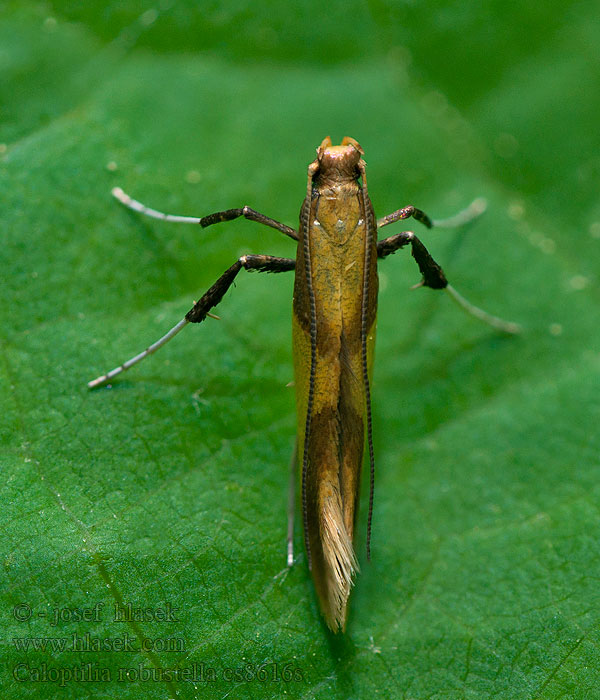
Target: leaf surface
168, 491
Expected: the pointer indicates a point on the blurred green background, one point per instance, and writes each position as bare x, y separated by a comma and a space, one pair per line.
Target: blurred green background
170, 488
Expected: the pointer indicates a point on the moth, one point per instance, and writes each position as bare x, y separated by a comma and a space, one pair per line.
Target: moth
334, 314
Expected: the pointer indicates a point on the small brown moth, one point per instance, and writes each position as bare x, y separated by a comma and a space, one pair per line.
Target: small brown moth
334, 312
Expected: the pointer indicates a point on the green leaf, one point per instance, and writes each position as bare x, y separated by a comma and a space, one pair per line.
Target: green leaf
168, 490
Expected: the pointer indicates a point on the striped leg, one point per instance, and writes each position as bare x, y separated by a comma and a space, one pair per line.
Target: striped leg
475, 209
434, 277
292, 504
201, 309
204, 221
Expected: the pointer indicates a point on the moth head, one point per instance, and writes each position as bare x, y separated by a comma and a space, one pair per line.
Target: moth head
342, 160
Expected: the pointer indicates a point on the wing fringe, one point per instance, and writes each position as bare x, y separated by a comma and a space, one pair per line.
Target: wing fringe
340, 562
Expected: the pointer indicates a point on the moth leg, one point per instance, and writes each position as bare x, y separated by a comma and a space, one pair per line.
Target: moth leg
475, 209
201, 309
434, 277
405, 213
292, 504
251, 215
204, 221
